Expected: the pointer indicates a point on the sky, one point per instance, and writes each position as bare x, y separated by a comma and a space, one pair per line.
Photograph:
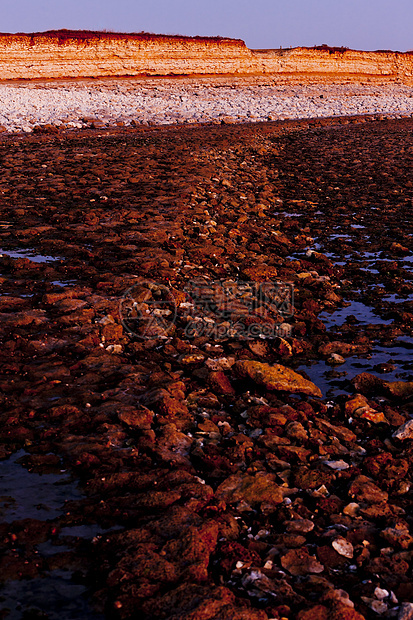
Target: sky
358, 24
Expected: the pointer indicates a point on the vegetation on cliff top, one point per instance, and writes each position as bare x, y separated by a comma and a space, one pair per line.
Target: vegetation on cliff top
63, 36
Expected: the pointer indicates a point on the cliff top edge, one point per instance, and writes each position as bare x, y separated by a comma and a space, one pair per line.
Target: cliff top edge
64, 36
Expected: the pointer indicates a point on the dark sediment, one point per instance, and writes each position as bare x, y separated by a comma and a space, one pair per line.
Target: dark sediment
235, 491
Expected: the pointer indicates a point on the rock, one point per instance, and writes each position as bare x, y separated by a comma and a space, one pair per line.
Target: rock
341, 611
23, 319
300, 526
98, 124
368, 384
399, 389
393, 417
405, 431
341, 432
360, 408
305, 478
330, 558
45, 129
406, 612
343, 547
398, 249
338, 596
220, 383
364, 489
318, 612
192, 550
337, 465
171, 407
259, 348
398, 536
276, 377
192, 358
299, 562
335, 359
381, 594
141, 418
295, 430
343, 349
283, 348
253, 490
221, 363
351, 509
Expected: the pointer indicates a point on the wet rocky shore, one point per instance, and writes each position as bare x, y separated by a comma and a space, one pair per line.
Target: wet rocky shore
179, 439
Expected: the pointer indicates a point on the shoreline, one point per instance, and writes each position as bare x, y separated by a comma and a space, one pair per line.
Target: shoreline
188, 466
201, 100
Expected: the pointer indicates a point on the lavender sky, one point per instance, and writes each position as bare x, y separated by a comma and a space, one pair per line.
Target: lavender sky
359, 24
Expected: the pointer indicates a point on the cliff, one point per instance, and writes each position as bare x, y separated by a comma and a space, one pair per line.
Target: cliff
91, 54
73, 54
336, 63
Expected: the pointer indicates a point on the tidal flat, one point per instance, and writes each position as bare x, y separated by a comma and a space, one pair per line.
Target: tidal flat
203, 455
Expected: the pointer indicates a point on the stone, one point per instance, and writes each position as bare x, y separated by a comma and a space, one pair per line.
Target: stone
299, 562
300, 526
318, 612
335, 359
343, 349
276, 377
351, 509
220, 383
398, 536
398, 249
250, 489
341, 432
405, 431
360, 408
343, 547
342, 611
367, 383
399, 389
337, 465
141, 418
364, 490
406, 612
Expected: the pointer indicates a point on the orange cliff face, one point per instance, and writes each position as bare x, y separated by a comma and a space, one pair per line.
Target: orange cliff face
73, 54
92, 54
337, 64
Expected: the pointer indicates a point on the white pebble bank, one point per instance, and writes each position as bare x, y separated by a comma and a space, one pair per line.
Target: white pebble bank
164, 101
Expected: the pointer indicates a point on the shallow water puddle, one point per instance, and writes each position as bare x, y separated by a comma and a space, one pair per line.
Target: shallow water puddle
55, 597
333, 380
30, 254
28, 495
364, 314
25, 494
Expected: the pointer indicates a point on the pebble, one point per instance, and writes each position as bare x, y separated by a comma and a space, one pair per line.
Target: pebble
406, 611
25, 107
230, 498
405, 431
343, 547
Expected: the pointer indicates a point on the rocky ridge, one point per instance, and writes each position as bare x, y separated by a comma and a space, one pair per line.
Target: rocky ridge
232, 477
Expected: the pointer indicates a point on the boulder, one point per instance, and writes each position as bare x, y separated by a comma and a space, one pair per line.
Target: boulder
276, 377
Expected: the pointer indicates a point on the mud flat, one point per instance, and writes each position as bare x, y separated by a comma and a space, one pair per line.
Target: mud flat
220, 455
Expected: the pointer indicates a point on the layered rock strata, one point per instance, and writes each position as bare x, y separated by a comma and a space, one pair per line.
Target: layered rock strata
61, 54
